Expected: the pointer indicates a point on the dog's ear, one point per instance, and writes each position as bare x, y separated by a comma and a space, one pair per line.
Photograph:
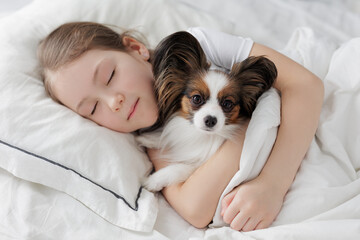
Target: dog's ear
175, 60
255, 75
180, 51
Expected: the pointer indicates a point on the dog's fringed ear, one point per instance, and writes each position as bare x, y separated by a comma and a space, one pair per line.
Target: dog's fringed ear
175, 60
180, 51
255, 75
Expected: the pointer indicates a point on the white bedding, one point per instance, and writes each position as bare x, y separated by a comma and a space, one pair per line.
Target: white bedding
324, 200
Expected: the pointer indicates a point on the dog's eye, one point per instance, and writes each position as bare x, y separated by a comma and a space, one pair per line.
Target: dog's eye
227, 105
197, 100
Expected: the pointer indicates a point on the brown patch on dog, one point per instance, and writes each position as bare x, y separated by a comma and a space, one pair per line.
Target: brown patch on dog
186, 110
230, 93
196, 86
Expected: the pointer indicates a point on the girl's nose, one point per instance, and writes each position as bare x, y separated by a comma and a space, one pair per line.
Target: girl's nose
116, 102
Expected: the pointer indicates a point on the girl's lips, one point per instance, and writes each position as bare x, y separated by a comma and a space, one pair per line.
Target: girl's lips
133, 109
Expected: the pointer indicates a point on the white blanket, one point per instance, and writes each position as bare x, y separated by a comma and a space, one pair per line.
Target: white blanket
324, 200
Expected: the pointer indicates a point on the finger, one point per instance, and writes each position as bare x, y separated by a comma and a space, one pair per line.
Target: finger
231, 211
263, 224
223, 209
251, 224
225, 202
228, 198
239, 221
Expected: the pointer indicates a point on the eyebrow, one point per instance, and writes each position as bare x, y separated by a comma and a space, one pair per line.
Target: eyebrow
93, 81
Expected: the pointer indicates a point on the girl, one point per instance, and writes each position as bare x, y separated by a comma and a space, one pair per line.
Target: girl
107, 77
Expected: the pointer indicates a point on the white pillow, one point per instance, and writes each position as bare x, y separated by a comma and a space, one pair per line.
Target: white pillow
44, 142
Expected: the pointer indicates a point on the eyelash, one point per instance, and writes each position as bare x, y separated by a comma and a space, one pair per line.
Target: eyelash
112, 75
93, 111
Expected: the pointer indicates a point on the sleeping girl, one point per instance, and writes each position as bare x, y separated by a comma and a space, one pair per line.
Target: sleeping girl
107, 78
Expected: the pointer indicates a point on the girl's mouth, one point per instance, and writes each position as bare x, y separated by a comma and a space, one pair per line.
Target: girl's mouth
133, 109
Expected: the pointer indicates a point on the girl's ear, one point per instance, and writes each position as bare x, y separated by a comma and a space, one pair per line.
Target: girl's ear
254, 75
133, 45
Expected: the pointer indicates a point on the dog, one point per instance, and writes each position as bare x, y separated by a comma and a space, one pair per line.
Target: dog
199, 108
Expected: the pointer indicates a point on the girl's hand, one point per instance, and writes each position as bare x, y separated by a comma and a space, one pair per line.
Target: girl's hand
252, 205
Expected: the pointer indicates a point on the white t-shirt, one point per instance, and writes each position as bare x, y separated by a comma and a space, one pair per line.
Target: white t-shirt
222, 50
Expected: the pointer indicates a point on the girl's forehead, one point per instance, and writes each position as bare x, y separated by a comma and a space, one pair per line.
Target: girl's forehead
92, 57
82, 68
70, 82
84, 65
89, 57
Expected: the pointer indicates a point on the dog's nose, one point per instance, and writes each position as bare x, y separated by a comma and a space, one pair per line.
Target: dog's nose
210, 121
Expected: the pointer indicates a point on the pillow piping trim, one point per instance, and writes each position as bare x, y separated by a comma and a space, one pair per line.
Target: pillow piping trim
70, 169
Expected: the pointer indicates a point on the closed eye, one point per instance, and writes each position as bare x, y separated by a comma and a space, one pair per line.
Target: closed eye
93, 111
112, 75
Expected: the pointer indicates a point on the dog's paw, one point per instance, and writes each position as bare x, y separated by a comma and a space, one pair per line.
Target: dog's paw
153, 185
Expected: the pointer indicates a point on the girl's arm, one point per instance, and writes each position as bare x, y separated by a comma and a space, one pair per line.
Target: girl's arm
301, 100
197, 198
254, 205
259, 200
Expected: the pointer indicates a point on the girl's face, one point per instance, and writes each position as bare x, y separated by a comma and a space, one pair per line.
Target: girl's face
111, 88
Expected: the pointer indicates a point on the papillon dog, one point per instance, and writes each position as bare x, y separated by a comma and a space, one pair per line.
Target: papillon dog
199, 108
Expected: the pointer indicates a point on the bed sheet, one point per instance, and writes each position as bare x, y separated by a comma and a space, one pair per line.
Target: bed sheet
272, 23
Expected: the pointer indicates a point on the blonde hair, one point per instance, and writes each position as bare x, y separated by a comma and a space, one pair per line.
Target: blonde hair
69, 41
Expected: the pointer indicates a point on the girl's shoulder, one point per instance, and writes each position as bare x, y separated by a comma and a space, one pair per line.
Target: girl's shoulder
222, 49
